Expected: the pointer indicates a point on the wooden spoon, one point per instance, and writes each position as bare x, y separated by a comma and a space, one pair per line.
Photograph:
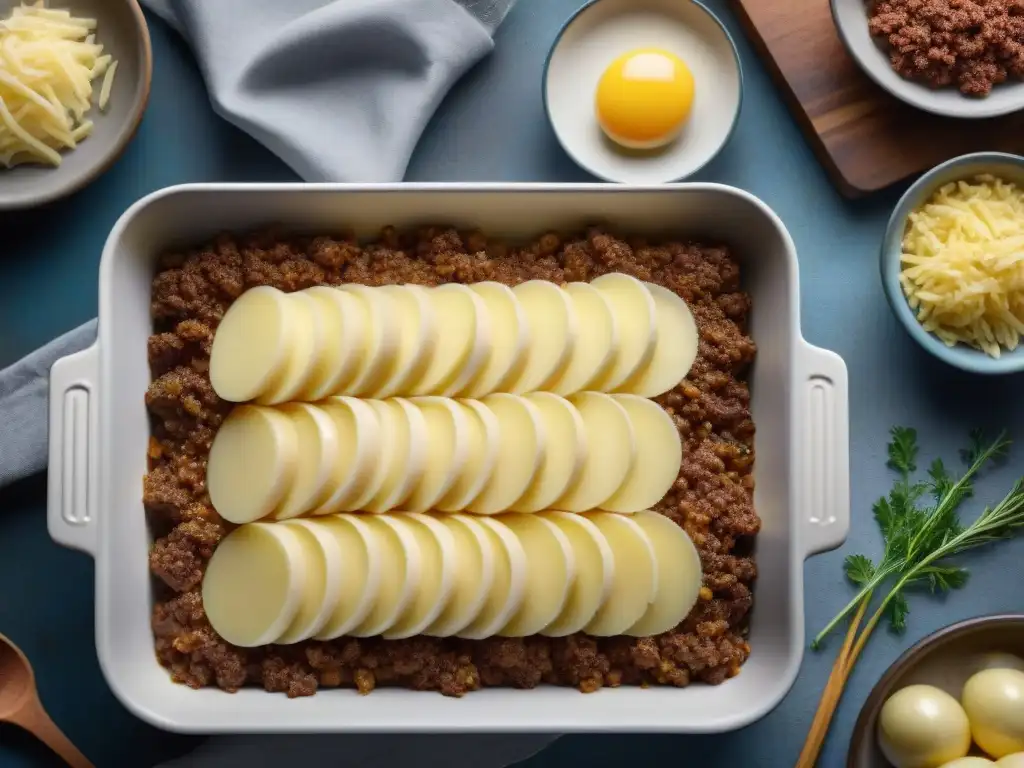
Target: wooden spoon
20, 705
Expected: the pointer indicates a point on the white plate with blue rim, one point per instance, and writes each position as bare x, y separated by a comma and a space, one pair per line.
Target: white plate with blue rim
662, 77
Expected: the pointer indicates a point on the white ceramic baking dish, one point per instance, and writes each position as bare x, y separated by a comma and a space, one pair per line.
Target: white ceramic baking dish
99, 431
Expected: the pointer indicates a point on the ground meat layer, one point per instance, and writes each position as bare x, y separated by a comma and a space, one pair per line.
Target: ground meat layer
712, 499
972, 44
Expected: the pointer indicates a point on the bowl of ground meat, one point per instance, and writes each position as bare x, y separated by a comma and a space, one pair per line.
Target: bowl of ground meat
957, 58
133, 417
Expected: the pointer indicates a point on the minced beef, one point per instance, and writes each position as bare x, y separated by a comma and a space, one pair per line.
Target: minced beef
711, 500
971, 44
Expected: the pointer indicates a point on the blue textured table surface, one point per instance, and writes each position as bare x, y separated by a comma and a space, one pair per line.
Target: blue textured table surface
492, 127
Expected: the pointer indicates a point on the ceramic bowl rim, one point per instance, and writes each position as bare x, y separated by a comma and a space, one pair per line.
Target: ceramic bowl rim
725, 139
863, 727
980, 114
58, 190
959, 356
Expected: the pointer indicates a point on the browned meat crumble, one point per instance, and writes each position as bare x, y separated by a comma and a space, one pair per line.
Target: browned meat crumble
970, 44
712, 498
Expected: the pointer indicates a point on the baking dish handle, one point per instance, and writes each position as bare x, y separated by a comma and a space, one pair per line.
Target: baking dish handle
824, 466
72, 491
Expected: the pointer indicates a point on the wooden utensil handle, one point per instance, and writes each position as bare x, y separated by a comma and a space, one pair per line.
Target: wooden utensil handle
33, 718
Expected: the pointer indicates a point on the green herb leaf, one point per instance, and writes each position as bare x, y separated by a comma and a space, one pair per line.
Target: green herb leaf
941, 482
896, 612
903, 450
859, 569
884, 516
978, 447
953, 530
898, 518
919, 537
943, 579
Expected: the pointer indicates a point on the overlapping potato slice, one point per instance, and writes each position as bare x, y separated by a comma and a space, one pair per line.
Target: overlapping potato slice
550, 573
659, 455
635, 584
633, 307
305, 352
463, 339
254, 584
566, 454
403, 455
611, 453
252, 344
439, 558
597, 344
345, 320
510, 577
363, 557
382, 339
473, 574
447, 427
675, 348
595, 574
552, 327
319, 599
400, 571
509, 338
252, 463
522, 445
482, 436
416, 330
353, 477
317, 441
679, 575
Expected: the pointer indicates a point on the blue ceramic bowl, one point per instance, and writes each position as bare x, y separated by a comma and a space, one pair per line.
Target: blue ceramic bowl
1004, 166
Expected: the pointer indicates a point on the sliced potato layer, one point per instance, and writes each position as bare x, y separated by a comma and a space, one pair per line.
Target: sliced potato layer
505, 453
616, 334
403, 574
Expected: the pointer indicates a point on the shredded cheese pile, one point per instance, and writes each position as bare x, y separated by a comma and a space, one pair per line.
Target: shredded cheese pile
963, 264
48, 61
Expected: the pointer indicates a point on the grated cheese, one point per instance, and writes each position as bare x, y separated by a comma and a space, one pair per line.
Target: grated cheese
48, 62
963, 264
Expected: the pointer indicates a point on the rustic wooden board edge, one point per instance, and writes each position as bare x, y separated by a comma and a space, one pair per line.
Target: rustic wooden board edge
797, 110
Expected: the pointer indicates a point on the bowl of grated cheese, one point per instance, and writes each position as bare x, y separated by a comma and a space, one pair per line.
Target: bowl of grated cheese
74, 83
952, 262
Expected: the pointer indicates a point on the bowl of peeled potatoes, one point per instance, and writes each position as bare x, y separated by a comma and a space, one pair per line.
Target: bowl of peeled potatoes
954, 700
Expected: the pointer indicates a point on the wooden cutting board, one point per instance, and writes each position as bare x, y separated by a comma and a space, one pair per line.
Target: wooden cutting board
865, 138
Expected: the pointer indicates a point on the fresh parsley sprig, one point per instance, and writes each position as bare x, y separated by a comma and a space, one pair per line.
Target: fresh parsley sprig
914, 533
921, 531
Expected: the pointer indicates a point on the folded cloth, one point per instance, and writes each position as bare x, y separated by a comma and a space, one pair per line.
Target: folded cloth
23, 404
340, 90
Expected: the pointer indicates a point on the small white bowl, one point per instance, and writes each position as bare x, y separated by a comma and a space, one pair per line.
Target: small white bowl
872, 55
602, 31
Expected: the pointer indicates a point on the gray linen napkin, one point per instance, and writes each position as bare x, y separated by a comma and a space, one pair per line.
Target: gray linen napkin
23, 404
341, 92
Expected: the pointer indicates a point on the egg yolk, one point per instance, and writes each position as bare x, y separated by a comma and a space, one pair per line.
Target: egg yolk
644, 98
